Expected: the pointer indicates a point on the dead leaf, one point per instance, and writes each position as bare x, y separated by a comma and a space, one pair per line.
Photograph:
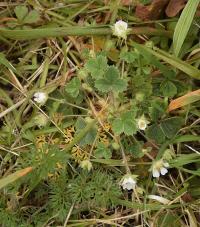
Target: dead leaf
126, 2
174, 7
14, 176
152, 11
184, 100
123, 2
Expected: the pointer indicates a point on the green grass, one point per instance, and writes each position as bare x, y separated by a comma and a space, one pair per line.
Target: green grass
112, 109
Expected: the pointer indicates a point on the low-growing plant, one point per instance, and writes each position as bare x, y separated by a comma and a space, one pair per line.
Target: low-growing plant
88, 134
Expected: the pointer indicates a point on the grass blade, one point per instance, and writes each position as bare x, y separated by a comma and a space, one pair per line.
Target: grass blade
38, 33
5, 62
170, 59
183, 25
184, 100
14, 176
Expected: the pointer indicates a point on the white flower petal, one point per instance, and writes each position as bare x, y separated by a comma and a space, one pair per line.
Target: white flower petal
163, 170
142, 123
128, 183
40, 97
156, 173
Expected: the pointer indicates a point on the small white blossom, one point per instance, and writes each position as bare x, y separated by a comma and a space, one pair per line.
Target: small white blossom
142, 123
40, 97
128, 182
86, 165
120, 29
160, 168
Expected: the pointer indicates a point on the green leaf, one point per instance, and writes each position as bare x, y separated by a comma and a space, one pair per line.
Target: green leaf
171, 126
170, 59
167, 128
183, 25
146, 70
144, 51
136, 150
32, 17
169, 220
157, 110
168, 88
128, 57
154, 132
14, 176
73, 87
97, 67
5, 62
184, 159
125, 124
89, 137
103, 152
21, 12
111, 81
186, 138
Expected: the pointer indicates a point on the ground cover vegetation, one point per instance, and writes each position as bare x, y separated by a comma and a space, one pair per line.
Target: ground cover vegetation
99, 113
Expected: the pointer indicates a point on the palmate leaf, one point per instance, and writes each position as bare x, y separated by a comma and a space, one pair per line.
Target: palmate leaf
111, 81
125, 124
73, 87
128, 57
32, 17
171, 126
97, 67
168, 88
166, 129
21, 12
154, 132
26, 17
103, 152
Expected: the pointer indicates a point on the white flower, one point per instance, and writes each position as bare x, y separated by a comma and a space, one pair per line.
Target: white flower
142, 122
40, 97
86, 165
128, 182
160, 167
120, 29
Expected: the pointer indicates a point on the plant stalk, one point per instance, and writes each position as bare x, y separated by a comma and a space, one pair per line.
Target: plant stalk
28, 34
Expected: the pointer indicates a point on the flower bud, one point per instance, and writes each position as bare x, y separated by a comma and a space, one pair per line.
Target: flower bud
86, 165
40, 120
87, 87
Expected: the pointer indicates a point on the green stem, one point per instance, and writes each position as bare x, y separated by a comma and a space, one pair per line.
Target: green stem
8, 100
149, 207
115, 6
73, 31
46, 68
